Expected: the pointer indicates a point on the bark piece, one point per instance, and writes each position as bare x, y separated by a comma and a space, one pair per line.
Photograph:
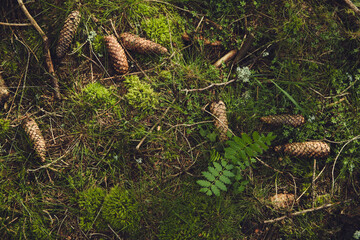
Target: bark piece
36, 138
117, 54
312, 149
67, 33
284, 119
221, 122
141, 45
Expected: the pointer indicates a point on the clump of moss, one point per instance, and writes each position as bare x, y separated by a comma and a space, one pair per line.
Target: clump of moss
160, 23
120, 210
140, 95
4, 126
98, 95
90, 202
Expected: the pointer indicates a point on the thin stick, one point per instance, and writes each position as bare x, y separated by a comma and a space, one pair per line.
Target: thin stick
333, 168
301, 212
267, 165
313, 184
48, 60
153, 127
15, 24
210, 86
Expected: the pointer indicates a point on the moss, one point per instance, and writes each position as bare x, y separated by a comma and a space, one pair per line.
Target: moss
140, 95
160, 23
90, 202
4, 126
164, 30
120, 210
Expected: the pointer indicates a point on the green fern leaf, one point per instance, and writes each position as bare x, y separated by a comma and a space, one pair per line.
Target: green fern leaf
224, 163
213, 171
249, 152
229, 167
209, 176
203, 183
215, 190
225, 179
246, 138
220, 185
228, 174
243, 154
217, 166
256, 147
256, 136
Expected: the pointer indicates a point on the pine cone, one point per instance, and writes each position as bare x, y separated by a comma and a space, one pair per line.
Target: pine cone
4, 91
117, 54
282, 200
33, 131
141, 45
316, 149
284, 119
67, 33
221, 123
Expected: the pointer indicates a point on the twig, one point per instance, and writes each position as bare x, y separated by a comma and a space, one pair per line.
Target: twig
333, 168
15, 24
226, 58
188, 124
313, 184
246, 44
352, 6
267, 165
301, 212
153, 127
210, 86
48, 60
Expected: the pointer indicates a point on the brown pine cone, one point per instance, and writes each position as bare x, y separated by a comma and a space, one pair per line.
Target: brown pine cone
67, 33
141, 45
36, 138
117, 54
4, 91
284, 119
221, 122
316, 149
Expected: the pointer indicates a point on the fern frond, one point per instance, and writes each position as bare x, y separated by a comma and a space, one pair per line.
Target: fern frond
216, 177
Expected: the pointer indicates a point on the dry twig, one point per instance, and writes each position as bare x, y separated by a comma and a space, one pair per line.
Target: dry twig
210, 86
301, 212
48, 60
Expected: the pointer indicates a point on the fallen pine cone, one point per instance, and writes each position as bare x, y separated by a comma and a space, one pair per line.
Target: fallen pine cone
316, 149
284, 119
4, 91
141, 45
221, 122
117, 54
282, 200
36, 138
67, 33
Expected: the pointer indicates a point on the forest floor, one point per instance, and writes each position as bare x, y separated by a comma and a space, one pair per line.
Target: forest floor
180, 145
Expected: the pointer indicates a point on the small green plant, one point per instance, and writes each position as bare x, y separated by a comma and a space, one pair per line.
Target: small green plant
217, 177
241, 153
140, 95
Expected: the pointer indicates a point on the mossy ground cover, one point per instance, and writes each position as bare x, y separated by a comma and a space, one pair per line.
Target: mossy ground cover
125, 152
